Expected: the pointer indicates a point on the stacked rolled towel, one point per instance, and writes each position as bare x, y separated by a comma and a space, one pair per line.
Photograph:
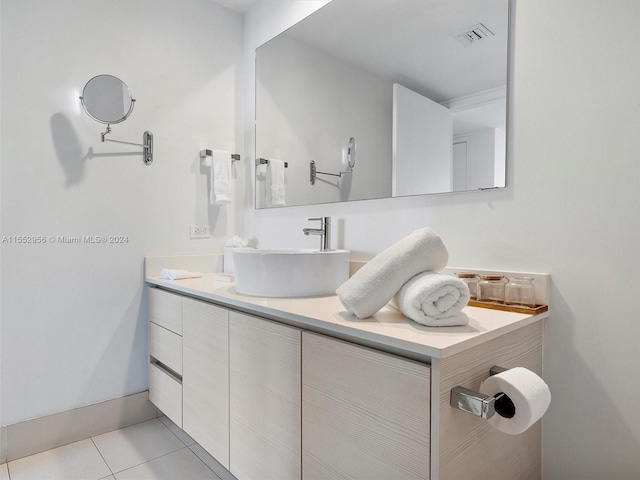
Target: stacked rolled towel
371, 287
434, 300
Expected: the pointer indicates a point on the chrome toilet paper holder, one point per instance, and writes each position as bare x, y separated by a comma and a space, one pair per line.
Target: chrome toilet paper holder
481, 405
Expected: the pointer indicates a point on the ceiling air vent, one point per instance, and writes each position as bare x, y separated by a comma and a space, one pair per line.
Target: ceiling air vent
473, 34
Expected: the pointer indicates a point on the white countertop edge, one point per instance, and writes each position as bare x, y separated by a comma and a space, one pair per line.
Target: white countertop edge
362, 331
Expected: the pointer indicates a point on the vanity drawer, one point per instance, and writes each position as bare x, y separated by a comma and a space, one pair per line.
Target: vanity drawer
165, 309
165, 392
365, 413
166, 347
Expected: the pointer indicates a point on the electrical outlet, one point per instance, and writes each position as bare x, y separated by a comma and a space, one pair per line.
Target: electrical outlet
200, 231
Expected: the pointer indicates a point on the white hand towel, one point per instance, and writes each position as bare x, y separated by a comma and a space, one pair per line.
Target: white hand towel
275, 183
433, 299
220, 192
371, 287
169, 274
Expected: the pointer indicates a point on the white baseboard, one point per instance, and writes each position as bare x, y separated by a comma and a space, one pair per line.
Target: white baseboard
44, 433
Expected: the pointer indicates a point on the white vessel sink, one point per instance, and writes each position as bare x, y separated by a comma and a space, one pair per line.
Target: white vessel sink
290, 272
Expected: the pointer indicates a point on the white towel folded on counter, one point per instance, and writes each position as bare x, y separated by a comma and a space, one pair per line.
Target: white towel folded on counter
371, 287
168, 274
434, 299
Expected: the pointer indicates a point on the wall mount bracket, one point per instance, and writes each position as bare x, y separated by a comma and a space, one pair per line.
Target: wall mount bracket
484, 406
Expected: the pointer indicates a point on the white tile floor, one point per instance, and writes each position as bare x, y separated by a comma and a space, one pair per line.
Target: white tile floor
153, 450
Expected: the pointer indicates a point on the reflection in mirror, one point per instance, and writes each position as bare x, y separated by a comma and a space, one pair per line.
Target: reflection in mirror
107, 99
420, 83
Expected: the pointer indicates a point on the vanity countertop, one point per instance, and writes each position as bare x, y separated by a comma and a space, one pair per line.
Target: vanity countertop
388, 329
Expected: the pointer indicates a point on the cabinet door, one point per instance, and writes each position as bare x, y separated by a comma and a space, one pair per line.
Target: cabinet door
165, 309
265, 423
165, 392
165, 347
205, 378
165, 353
366, 414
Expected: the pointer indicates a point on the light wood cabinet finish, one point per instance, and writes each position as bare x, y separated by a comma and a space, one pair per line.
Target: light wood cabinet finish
205, 381
366, 414
166, 347
165, 309
469, 446
270, 401
265, 399
165, 392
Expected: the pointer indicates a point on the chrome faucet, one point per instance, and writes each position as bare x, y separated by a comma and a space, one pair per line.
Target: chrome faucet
324, 231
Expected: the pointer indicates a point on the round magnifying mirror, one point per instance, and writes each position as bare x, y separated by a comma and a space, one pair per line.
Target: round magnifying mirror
107, 99
351, 152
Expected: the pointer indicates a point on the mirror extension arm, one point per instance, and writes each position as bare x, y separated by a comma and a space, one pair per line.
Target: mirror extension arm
314, 172
351, 161
147, 144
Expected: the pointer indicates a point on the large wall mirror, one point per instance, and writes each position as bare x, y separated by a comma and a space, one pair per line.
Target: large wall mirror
420, 86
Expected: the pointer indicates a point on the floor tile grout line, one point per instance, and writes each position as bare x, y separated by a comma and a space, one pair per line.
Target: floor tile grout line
164, 455
101, 456
71, 442
205, 463
184, 446
150, 459
172, 433
189, 447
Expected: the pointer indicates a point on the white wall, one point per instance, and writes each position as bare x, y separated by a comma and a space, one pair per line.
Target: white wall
73, 319
311, 103
422, 154
570, 209
485, 158
73, 316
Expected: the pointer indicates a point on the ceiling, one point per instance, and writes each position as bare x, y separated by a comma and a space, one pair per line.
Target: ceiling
241, 6
410, 41
413, 42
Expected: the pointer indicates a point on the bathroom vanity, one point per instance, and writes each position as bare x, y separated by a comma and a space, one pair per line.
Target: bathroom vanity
288, 388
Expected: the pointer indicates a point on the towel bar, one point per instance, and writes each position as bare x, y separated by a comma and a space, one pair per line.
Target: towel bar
265, 161
207, 153
481, 405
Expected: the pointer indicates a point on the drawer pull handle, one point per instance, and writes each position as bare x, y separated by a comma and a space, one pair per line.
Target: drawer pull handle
158, 364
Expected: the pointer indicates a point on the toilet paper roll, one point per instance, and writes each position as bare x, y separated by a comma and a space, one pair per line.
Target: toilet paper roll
528, 392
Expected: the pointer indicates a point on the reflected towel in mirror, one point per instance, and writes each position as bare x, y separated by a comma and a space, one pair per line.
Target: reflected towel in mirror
275, 192
220, 191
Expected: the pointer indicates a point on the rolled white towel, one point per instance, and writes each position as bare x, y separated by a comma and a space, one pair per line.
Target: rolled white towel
433, 299
168, 274
371, 287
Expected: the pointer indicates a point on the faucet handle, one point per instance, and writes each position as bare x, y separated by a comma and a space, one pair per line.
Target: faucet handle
320, 219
